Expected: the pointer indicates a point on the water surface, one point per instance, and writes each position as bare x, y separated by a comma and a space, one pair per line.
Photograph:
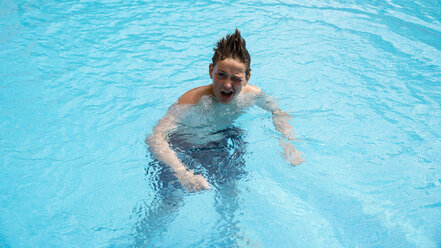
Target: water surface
82, 83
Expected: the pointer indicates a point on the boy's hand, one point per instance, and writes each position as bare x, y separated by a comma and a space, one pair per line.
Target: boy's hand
291, 154
192, 182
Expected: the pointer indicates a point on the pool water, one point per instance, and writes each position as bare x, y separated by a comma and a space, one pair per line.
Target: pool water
82, 83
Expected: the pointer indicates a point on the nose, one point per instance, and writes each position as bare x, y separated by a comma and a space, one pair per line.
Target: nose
227, 84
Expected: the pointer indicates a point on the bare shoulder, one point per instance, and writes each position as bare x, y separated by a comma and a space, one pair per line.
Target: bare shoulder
252, 89
194, 95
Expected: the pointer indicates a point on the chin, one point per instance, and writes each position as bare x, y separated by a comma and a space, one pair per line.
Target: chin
223, 100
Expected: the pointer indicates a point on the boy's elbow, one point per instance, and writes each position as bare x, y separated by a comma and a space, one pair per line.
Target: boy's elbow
155, 143
151, 143
149, 139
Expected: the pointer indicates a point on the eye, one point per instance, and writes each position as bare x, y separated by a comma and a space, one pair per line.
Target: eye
236, 79
221, 75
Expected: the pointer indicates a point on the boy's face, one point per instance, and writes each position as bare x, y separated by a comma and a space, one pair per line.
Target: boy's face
228, 78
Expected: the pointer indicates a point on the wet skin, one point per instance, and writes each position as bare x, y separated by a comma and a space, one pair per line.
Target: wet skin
228, 79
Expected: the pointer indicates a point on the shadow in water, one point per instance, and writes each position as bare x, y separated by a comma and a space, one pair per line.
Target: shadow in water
221, 162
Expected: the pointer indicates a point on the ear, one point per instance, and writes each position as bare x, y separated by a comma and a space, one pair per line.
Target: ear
210, 70
247, 78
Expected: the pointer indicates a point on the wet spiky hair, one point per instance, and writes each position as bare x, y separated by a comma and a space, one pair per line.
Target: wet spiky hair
232, 46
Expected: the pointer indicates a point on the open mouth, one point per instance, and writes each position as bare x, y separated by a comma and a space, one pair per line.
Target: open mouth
226, 95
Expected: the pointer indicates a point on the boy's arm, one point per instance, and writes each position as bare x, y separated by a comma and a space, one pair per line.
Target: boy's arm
160, 149
282, 125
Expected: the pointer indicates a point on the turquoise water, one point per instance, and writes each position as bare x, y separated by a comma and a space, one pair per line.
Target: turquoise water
82, 83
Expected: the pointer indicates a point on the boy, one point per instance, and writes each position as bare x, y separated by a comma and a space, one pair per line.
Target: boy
202, 113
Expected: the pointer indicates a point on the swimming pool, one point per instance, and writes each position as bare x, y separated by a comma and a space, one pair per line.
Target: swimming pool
84, 82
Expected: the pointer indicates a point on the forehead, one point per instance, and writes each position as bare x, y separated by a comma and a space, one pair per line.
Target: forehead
231, 65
